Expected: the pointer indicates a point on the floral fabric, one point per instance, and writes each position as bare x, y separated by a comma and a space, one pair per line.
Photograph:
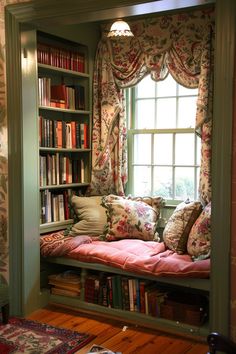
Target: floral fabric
180, 44
177, 229
199, 241
128, 218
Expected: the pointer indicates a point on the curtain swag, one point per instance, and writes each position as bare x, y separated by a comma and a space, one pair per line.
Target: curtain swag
181, 45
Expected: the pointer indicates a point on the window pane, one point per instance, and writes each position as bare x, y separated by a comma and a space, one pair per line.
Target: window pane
142, 149
184, 183
163, 149
198, 150
162, 182
166, 113
145, 88
167, 87
198, 180
187, 112
184, 149
142, 181
184, 91
145, 114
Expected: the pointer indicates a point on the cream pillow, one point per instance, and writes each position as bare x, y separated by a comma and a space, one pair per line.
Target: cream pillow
177, 229
91, 215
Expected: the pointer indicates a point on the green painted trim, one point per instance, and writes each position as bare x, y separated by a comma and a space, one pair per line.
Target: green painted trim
15, 167
134, 317
28, 12
221, 165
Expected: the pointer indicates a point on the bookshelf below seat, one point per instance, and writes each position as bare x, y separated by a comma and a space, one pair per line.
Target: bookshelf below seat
90, 270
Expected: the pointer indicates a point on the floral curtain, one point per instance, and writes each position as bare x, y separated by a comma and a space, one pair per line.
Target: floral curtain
180, 44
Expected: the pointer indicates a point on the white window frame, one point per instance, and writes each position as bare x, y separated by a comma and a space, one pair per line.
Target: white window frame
130, 113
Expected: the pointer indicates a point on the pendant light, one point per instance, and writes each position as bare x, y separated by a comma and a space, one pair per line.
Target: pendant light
120, 28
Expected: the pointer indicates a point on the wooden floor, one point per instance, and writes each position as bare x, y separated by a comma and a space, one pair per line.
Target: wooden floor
116, 335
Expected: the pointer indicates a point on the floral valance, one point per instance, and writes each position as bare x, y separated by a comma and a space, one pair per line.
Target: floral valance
179, 44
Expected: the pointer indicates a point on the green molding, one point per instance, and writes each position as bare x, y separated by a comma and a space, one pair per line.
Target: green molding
221, 165
15, 193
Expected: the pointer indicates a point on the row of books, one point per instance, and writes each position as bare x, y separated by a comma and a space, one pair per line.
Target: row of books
56, 169
63, 134
60, 57
55, 206
130, 294
66, 283
133, 294
61, 95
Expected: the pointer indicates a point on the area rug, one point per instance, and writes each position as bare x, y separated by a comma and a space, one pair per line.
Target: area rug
26, 336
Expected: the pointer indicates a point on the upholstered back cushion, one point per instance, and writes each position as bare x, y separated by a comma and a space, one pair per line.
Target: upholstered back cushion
91, 216
128, 218
199, 241
178, 227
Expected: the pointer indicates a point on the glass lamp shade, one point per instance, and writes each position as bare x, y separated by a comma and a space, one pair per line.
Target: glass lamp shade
120, 28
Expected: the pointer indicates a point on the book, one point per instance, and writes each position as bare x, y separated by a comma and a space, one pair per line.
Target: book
66, 292
73, 134
67, 280
115, 292
79, 97
82, 168
61, 207
131, 296
59, 134
55, 207
142, 285
58, 96
125, 294
109, 292
68, 135
91, 288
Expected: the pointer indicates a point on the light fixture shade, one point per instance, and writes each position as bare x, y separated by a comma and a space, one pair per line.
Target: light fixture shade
120, 28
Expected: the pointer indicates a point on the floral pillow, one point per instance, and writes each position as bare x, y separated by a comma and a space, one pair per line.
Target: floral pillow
177, 229
127, 218
157, 203
199, 241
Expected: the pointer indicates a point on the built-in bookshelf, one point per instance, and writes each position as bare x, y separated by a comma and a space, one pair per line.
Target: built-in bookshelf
170, 304
63, 127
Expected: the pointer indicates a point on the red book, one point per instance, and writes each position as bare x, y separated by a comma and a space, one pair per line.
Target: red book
58, 96
73, 134
86, 136
59, 133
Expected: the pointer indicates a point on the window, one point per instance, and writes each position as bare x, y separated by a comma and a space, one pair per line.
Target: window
163, 149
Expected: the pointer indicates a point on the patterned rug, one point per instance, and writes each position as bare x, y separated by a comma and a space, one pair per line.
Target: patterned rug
25, 336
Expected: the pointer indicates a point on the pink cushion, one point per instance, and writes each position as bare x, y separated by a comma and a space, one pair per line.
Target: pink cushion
141, 257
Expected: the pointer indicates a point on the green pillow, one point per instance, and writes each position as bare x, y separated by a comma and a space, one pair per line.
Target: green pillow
91, 215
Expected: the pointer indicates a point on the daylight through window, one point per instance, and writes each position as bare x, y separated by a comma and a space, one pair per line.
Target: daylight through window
163, 149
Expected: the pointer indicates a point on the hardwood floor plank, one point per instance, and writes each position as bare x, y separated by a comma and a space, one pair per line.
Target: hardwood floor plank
198, 348
118, 335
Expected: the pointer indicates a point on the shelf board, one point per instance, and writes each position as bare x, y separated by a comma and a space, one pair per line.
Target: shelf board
65, 110
64, 186
193, 283
55, 69
55, 225
52, 149
136, 317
